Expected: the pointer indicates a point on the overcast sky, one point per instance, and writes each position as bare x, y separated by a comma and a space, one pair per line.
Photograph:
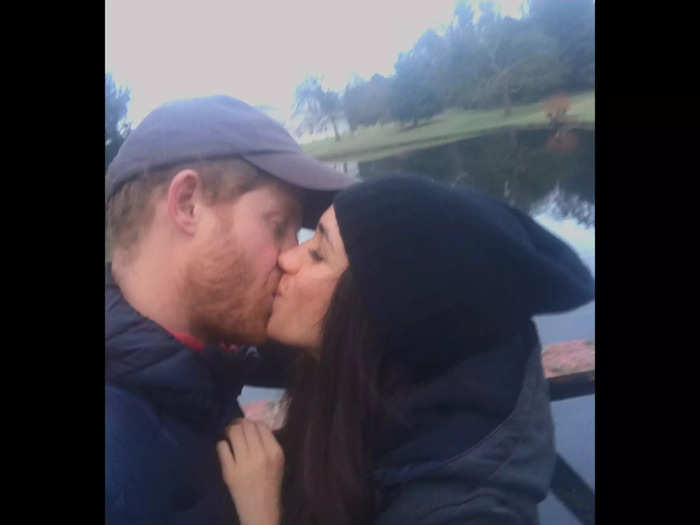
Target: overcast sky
259, 51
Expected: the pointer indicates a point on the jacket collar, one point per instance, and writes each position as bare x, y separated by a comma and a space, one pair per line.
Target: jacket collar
142, 357
475, 440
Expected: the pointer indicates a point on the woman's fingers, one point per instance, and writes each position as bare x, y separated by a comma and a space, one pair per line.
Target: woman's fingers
237, 439
250, 442
261, 443
256, 428
223, 449
270, 443
252, 437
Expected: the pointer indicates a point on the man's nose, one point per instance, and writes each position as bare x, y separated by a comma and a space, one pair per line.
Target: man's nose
290, 241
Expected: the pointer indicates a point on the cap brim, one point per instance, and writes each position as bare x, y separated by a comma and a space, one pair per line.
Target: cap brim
301, 170
307, 173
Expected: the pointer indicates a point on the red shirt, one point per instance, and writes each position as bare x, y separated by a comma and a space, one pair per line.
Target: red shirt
197, 345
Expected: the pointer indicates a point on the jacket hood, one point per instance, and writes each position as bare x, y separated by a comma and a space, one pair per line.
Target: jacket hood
487, 422
142, 357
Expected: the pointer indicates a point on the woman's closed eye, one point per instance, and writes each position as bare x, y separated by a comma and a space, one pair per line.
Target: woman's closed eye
315, 255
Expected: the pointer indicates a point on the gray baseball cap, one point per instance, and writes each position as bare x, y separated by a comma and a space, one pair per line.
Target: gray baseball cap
220, 127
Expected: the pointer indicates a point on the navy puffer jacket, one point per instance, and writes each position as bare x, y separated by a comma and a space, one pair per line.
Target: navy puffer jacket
165, 407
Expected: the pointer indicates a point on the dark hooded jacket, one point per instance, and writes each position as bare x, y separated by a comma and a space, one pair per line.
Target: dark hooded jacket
478, 446
451, 278
165, 407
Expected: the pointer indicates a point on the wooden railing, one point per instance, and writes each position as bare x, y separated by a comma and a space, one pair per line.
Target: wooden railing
570, 369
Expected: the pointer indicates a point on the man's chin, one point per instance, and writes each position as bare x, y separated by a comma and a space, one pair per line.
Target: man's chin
248, 334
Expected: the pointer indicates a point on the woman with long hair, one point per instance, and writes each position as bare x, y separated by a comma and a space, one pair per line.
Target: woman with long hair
420, 396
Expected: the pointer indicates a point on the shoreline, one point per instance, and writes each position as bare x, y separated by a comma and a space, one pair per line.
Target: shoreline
452, 125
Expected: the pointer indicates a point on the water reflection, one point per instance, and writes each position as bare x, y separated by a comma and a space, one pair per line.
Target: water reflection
522, 167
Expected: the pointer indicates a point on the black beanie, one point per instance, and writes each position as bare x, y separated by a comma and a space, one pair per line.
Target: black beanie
446, 272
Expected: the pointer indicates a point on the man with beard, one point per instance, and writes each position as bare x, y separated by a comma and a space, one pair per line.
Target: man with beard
202, 198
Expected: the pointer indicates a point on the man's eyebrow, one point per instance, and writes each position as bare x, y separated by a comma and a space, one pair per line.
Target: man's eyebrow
324, 233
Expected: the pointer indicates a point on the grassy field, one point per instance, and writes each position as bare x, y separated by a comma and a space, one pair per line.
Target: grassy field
450, 126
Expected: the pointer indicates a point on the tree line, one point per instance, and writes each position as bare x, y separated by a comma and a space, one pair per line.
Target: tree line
116, 127
475, 64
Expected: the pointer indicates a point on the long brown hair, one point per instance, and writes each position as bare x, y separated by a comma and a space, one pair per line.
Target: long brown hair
337, 410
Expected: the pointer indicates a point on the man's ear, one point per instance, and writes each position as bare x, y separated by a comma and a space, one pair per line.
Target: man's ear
185, 199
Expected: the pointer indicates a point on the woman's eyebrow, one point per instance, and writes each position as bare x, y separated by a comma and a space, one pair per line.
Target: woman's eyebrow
324, 233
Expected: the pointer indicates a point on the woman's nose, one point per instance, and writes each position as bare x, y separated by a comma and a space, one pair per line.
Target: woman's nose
288, 260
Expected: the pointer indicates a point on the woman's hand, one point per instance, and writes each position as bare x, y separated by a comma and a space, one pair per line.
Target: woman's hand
252, 464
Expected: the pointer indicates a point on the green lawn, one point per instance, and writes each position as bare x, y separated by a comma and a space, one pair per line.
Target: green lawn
450, 126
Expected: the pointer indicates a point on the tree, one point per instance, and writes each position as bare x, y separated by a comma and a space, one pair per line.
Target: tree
572, 25
463, 47
413, 98
431, 56
366, 103
318, 106
516, 59
353, 102
116, 127
418, 87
